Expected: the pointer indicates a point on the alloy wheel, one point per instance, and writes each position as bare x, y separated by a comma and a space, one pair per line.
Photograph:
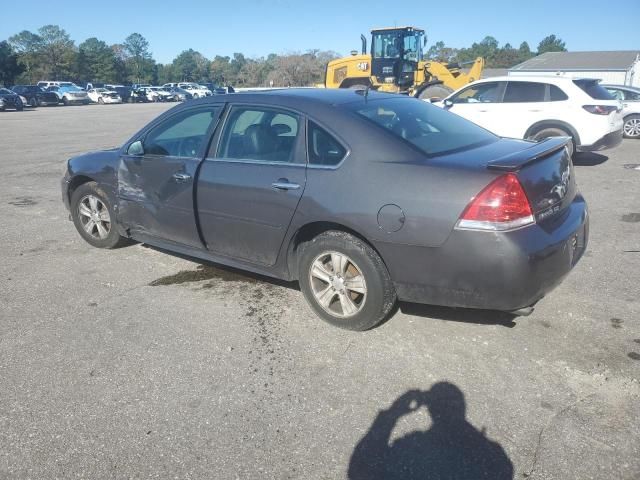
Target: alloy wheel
94, 217
632, 127
338, 284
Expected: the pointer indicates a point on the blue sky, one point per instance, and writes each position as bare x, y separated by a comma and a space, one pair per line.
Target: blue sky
259, 27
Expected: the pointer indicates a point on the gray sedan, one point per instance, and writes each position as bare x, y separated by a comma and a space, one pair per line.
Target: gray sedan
362, 197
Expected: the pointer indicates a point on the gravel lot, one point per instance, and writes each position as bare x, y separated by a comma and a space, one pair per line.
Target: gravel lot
136, 364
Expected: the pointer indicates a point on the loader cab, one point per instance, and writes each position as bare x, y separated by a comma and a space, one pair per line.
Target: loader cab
395, 53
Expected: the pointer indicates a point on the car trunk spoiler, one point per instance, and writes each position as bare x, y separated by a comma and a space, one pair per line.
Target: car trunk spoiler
537, 151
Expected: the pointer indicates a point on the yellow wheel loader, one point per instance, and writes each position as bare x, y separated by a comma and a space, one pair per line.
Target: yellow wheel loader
396, 64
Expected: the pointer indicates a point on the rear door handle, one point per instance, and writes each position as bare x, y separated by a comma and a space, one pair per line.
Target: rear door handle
181, 177
284, 184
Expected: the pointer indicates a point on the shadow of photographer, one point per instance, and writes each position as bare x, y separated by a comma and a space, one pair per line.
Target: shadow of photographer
451, 449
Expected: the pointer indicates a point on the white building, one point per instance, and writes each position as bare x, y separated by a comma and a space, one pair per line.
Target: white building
615, 67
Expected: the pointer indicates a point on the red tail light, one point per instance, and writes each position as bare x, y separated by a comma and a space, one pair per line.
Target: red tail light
600, 109
502, 205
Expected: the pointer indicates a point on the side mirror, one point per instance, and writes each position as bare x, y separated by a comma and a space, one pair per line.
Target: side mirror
135, 149
448, 103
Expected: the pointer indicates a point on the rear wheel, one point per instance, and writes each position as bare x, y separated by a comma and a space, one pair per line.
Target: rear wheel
345, 281
553, 132
434, 92
631, 127
65, 101
93, 217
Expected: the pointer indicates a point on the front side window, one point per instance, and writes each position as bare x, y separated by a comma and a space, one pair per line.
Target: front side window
524, 92
323, 148
181, 135
264, 134
629, 95
480, 93
431, 129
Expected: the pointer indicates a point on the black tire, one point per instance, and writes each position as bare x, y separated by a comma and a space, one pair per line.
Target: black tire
33, 102
631, 127
100, 101
547, 132
65, 102
113, 238
20, 108
438, 91
379, 298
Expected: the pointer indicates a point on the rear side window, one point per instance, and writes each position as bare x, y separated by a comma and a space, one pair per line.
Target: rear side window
517, 92
431, 129
629, 95
556, 95
594, 89
323, 148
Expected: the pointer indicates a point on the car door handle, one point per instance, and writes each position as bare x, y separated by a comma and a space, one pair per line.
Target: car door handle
181, 177
284, 184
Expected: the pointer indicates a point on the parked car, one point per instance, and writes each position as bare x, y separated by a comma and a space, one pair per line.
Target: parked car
124, 92
44, 84
148, 94
196, 90
180, 94
163, 95
103, 96
216, 89
169, 86
70, 95
442, 212
538, 107
630, 97
9, 99
35, 96
139, 95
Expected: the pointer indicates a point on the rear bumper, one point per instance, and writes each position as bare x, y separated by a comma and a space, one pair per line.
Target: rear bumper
487, 270
610, 140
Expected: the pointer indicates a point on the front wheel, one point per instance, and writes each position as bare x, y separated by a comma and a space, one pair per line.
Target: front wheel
100, 101
345, 281
93, 217
631, 127
434, 92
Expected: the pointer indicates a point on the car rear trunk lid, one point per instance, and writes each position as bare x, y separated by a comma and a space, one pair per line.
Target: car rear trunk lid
546, 173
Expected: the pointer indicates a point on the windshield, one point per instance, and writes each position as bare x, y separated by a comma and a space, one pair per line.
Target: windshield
398, 43
431, 129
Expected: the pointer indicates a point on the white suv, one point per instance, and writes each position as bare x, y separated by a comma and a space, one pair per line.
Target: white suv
198, 91
630, 97
538, 107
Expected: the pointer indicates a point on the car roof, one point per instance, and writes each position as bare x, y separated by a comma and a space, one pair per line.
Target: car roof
326, 96
534, 78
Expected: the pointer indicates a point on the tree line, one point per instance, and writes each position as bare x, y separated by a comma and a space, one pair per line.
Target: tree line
51, 54
494, 55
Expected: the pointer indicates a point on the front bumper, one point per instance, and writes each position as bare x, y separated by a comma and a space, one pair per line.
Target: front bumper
490, 270
610, 140
111, 100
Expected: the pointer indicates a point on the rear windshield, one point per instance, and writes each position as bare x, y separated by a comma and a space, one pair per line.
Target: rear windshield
432, 129
594, 89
